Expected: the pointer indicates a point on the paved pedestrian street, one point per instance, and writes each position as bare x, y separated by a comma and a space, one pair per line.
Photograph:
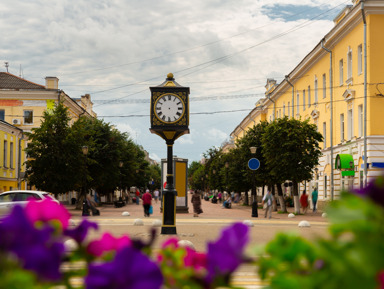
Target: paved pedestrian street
205, 228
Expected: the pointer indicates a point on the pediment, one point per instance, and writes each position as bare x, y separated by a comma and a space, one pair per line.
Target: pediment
349, 94
315, 114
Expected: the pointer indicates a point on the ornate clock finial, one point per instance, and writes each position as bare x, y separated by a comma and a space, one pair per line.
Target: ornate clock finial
170, 76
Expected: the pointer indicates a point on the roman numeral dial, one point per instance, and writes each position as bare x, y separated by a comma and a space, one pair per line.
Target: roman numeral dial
169, 108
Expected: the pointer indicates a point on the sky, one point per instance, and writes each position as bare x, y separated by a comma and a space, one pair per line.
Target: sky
114, 50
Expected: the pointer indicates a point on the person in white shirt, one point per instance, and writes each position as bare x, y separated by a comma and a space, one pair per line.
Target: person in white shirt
267, 204
156, 195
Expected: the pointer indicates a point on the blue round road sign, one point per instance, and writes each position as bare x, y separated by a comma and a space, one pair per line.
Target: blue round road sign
254, 164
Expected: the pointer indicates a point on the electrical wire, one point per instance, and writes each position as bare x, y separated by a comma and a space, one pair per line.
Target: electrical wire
198, 46
209, 63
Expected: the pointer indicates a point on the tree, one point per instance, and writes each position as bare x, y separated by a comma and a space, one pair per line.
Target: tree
194, 180
154, 176
53, 153
108, 147
291, 151
253, 138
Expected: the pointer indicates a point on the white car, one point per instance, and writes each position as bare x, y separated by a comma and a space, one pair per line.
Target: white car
20, 197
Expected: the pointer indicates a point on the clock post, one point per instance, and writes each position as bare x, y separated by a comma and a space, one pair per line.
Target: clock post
169, 120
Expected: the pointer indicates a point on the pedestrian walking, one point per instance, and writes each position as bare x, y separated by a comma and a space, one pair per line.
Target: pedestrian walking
137, 196
196, 202
156, 194
267, 204
315, 195
304, 202
92, 205
219, 197
147, 201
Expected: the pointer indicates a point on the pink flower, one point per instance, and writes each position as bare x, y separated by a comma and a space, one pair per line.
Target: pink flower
170, 242
108, 243
195, 259
47, 210
191, 257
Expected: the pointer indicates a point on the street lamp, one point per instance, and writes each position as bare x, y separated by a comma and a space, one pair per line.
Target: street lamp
85, 206
226, 176
121, 189
253, 193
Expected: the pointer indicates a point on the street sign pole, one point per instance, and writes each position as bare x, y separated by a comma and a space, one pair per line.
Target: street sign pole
253, 165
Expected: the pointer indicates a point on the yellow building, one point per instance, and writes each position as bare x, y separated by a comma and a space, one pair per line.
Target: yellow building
22, 104
339, 86
12, 157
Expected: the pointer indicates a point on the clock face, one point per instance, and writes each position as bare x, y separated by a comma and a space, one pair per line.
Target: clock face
169, 108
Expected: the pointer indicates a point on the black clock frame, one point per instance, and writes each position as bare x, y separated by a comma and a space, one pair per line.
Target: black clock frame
169, 132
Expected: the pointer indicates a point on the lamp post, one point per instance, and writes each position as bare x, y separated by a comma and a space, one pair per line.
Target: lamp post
254, 197
121, 189
85, 205
214, 180
226, 176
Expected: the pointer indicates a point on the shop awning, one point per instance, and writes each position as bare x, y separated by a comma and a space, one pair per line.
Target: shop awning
345, 163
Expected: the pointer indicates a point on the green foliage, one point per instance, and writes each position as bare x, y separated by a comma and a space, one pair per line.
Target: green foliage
53, 153
194, 177
350, 258
291, 149
58, 165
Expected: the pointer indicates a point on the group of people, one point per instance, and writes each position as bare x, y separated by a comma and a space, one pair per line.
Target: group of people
147, 200
224, 199
304, 200
268, 201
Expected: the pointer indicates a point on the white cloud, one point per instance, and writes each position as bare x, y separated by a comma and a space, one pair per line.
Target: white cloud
118, 49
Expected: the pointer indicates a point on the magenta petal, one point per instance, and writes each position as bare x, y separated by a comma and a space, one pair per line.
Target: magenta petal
47, 210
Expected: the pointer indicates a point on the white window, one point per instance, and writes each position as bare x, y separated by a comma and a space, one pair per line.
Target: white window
309, 96
303, 99
360, 59
316, 89
360, 119
11, 155
324, 86
28, 116
5, 154
349, 64
341, 71
297, 103
350, 124
289, 109
342, 127
284, 109
324, 135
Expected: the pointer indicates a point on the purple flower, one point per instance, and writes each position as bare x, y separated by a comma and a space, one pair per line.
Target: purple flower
80, 232
226, 254
130, 269
36, 249
374, 191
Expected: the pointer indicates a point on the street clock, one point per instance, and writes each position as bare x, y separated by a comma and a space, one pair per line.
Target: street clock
169, 109
169, 120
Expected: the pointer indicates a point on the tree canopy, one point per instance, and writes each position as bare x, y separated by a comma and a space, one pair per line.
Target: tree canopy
57, 164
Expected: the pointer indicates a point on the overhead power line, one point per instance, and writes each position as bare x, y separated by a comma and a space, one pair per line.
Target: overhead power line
204, 98
204, 65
